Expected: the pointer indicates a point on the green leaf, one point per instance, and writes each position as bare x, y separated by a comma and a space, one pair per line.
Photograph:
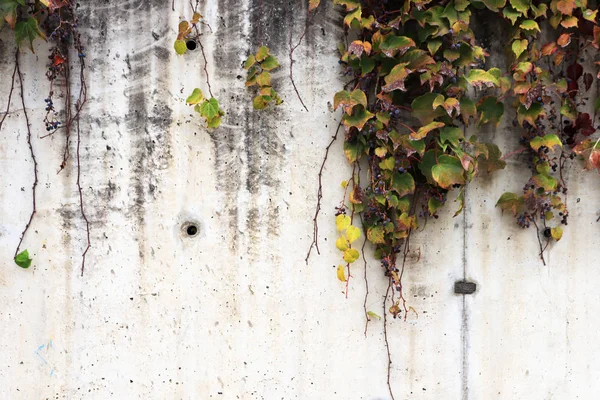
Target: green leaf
358, 119
250, 61
210, 109
461, 201
536, 110
448, 171
530, 25
264, 79
468, 109
424, 130
480, 77
262, 53
342, 222
261, 102
351, 151
395, 79
547, 182
22, 259
214, 122
373, 315
180, 47
510, 201
568, 109
349, 99
490, 111
452, 135
8, 12
403, 184
521, 5
376, 235
195, 98
493, 158
27, 31
388, 164
424, 110
550, 141
352, 233
351, 255
351, 16
393, 44
269, 63
433, 205
511, 14
519, 46
494, 5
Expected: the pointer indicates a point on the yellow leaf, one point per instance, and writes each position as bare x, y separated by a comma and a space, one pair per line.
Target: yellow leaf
556, 233
351, 255
342, 243
352, 233
342, 222
341, 274
344, 184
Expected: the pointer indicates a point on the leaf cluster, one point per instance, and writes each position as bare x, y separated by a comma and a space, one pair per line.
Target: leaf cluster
208, 108
259, 66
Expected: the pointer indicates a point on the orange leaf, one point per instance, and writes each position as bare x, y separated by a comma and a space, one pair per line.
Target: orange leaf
564, 39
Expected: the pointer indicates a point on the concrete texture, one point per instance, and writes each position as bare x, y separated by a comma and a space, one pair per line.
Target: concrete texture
234, 312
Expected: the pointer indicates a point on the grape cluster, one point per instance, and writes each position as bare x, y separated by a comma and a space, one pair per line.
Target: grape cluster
524, 220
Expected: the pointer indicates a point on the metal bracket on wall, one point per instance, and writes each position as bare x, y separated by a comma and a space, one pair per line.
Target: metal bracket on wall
463, 287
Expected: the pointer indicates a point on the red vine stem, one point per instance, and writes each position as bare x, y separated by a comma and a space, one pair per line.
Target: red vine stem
82, 99
315, 241
35, 164
512, 153
362, 250
12, 88
385, 336
194, 9
291, 54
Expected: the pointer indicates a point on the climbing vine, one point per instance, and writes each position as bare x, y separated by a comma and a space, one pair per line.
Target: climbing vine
55, 21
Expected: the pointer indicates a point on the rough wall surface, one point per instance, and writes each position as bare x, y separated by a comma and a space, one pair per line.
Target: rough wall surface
234, 312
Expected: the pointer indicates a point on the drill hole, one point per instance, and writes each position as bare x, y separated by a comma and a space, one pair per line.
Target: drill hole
191, 44
191, 230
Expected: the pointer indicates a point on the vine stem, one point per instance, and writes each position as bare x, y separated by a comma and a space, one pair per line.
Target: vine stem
82, 99
362, 250
512, 153
12, 88
315, 241
35, 164
291, 54
194, 9
537, 231
385, 336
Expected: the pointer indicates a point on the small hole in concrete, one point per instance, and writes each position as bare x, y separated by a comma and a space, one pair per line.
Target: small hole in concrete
191, 44
191, 230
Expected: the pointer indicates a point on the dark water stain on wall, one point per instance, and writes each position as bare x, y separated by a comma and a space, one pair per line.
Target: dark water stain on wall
144, 64
251, 140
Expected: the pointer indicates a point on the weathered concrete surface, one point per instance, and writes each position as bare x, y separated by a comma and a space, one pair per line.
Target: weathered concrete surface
234, 312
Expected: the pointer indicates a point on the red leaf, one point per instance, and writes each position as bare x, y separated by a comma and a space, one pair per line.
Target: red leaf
58, 59
584, 123
588, 80
574, 71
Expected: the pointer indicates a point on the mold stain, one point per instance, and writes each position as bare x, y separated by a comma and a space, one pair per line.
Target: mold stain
249, 153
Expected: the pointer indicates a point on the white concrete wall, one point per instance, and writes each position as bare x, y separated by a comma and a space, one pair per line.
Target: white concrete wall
235, 313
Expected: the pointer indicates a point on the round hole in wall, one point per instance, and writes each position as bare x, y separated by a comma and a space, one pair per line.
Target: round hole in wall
191, 230
191, 44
